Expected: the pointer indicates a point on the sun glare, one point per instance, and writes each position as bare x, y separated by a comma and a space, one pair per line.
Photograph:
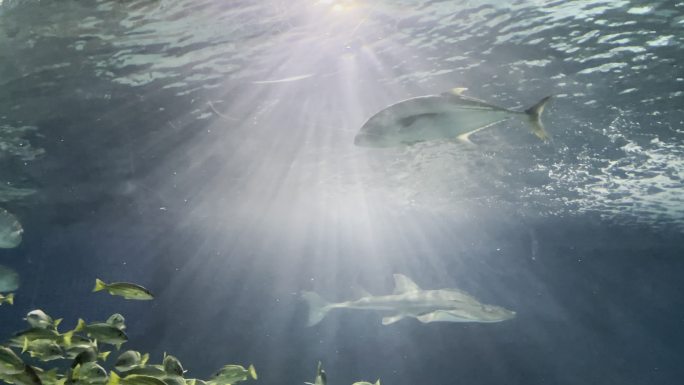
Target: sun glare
339, 5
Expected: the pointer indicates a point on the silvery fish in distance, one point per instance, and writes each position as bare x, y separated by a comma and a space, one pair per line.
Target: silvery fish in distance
409, 300
10, 230
449, 115
9, 279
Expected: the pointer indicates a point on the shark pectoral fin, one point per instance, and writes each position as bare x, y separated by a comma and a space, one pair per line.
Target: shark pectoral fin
441, 316
403, 284
429, 317
318, 307
392, 319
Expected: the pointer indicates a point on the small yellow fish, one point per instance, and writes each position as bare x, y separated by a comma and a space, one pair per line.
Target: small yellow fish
172, 365
134, 379
91, 373
230, 374
44, 350
10, 363
50, 377
9, 298
103, 332
124, 289
33, 334
129, 360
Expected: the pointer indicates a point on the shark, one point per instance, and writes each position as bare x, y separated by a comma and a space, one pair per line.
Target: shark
449, 115
410, 301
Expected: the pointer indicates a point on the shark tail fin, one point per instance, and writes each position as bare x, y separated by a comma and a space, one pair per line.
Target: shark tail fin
534, 116
318, 307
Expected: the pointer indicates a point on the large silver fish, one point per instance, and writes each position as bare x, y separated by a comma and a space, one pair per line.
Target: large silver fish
409, 300
449, 115
10, 230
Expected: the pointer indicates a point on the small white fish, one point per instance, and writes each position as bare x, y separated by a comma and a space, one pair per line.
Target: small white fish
449, 115
39, 319
117, 320
10, 230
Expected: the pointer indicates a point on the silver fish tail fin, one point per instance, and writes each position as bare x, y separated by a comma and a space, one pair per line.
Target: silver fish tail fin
318, 307
534, 116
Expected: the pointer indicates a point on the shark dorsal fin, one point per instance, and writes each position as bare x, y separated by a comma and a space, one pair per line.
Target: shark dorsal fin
360, 292
458, 90
403, 284
392, 319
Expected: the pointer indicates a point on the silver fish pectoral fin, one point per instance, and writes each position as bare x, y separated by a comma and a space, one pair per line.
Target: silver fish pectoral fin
465, 137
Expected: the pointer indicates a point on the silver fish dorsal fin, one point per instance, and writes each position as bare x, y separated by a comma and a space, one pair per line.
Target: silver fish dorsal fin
403, 284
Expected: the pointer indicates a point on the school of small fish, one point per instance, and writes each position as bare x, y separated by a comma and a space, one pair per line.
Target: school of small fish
81, 359
82, 348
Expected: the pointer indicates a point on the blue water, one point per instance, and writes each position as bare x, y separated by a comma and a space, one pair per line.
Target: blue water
204, 149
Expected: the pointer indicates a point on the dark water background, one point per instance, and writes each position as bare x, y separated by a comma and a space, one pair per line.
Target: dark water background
162, 152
